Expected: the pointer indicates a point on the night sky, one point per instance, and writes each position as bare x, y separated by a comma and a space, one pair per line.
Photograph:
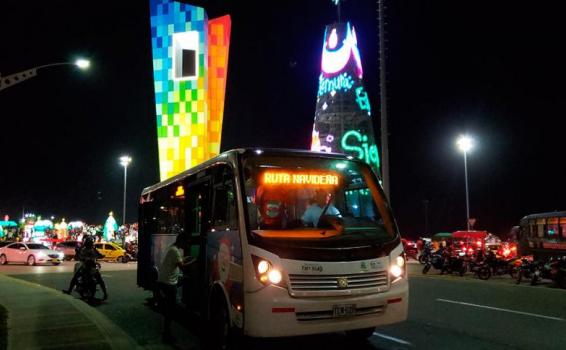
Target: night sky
493, 69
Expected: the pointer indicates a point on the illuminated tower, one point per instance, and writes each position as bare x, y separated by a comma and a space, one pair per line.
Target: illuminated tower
190, 66
342, 121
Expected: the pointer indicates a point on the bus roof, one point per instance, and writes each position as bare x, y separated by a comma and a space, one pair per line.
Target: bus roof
244, 151
550, 214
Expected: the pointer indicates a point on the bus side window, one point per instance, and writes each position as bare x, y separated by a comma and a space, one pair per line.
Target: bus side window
171, 211
149, 218
225, 214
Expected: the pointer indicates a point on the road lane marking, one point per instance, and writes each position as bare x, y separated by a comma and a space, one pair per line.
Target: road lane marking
500, 309
396, 340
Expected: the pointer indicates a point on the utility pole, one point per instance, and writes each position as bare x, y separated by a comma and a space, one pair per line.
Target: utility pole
383, 98
426, 202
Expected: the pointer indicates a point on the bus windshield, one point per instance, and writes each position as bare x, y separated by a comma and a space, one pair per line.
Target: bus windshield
315, 198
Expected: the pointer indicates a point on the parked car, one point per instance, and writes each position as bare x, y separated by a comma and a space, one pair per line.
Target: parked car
69, 248
112, 252
29, 253
5, 243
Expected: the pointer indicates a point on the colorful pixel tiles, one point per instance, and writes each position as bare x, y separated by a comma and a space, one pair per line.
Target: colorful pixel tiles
189, 95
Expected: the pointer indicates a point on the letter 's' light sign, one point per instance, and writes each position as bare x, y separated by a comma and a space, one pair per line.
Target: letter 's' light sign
363, 150
290, 178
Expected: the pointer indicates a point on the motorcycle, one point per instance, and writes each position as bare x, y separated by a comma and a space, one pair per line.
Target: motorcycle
480, 269
500, 267
554, 269
425, 255
86, 283
451, 264
525, 270
132, 252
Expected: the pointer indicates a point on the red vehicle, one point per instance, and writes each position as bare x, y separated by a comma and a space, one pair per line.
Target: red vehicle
469, 242
410, 248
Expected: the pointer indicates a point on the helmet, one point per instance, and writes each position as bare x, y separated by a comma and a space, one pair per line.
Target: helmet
88, 241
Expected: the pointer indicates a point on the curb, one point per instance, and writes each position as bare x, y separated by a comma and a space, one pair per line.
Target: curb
113, 335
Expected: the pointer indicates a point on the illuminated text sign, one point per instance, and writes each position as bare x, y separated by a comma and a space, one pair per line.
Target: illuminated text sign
356, 142
322, 179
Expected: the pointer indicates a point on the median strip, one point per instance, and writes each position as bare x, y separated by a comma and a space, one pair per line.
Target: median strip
501, 309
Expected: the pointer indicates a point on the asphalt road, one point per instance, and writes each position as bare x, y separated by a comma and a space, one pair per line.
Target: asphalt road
446, 312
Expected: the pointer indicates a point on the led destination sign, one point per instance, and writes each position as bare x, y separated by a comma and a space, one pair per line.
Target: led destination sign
288, 178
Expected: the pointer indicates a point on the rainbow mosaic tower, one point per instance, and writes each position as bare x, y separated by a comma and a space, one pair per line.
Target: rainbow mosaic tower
190, 67
342, 121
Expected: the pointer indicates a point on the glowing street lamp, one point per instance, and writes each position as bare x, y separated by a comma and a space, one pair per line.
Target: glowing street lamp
13, 79
125, 161
465, 144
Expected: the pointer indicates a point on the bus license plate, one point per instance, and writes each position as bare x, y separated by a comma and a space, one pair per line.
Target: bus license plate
344, 310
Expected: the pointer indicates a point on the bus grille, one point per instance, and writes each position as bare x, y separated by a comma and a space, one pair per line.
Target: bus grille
309, 285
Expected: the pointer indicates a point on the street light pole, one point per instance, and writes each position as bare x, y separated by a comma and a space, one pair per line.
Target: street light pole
467, 192
465, 143
13, 79
124, 161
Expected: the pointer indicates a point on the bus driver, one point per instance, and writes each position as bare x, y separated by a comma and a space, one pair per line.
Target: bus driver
316, 206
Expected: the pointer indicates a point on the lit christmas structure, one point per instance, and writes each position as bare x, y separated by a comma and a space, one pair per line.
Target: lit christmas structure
342, 121
190, 67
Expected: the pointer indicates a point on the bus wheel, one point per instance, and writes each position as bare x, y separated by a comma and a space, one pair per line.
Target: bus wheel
220, 326
360, 334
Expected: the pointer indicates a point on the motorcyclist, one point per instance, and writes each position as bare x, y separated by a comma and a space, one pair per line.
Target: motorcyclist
87, 256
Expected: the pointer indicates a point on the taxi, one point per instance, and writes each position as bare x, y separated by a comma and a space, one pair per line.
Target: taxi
111, 252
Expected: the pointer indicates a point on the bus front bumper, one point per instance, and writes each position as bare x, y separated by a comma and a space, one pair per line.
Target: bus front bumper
272, 312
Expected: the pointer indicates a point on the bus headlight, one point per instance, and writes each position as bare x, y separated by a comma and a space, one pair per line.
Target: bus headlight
266, 273
262, 267
396, 271
397, 268
274, 276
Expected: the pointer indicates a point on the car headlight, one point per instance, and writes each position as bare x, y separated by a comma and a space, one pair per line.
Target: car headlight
266, 273
61, 255
397, 268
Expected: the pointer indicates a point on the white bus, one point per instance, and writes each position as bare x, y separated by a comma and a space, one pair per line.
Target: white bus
286, 243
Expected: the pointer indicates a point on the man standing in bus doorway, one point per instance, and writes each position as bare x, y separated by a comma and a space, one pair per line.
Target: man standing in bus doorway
168, 279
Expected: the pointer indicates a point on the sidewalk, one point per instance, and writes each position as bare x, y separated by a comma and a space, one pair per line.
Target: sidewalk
43, 318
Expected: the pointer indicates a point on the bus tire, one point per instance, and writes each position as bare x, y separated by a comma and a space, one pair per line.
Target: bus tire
220, 330
360, 335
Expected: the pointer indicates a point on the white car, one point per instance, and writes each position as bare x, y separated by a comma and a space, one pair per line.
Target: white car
29, 253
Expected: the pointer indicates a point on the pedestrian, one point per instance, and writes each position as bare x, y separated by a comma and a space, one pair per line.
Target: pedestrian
167, 281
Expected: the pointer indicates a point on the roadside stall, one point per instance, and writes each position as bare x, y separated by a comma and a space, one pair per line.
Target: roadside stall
40, 231
441, 238
5, 227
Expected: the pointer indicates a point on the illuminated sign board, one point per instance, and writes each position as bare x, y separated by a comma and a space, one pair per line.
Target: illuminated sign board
355, 142
296, 178
342, 121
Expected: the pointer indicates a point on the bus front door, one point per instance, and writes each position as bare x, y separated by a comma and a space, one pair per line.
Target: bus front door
194, 274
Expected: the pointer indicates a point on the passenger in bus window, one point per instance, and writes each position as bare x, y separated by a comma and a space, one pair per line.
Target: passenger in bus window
316, 206
271, 203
